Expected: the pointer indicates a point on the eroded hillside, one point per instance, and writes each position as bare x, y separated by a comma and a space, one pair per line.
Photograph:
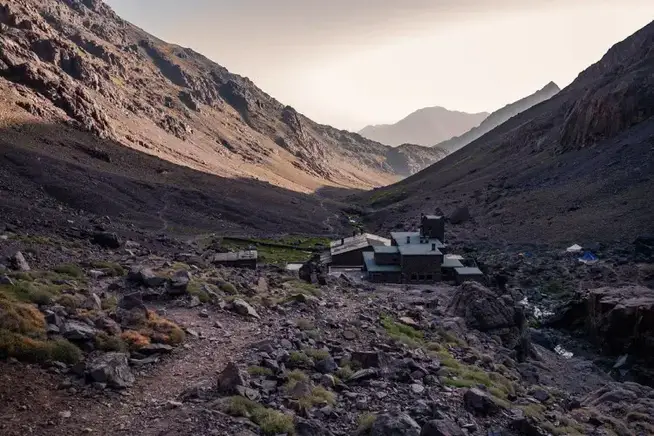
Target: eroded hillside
77, 61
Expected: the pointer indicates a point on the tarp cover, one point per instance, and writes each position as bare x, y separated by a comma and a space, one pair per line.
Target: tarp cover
574, 249
588, 257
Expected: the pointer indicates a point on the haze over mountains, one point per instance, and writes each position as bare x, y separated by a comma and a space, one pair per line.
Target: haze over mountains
426, 126
451, 130
578, 166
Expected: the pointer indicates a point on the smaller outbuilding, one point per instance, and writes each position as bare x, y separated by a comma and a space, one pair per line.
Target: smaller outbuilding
466, 274
237, 259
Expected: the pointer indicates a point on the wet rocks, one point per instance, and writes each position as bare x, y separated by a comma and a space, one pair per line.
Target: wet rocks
620, 320
112, 369
395, 424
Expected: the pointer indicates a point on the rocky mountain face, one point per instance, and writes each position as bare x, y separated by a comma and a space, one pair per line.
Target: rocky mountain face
498, 117
427, 126
76, 61
576, 168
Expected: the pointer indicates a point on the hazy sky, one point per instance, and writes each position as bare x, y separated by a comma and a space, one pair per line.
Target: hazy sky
355, 62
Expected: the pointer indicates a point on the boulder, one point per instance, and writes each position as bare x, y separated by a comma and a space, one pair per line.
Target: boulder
112, 369
147, 277
441, 427
326, 366
179, 283
305, 427
106, 240
93, 302
619, 320
370, 359
479, 402
230, 379
395, 424
460, 215
18, 262
78, 331
243, 308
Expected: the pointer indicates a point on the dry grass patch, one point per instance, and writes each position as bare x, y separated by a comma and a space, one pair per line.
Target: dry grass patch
164, 331
134, 340
271, 422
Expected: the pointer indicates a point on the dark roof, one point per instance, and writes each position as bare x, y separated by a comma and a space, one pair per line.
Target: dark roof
371, 266
468, 271
433, 217
356, 243
235, 256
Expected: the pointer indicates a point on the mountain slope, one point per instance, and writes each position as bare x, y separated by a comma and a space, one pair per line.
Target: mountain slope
76, 61
498, 117
425, 126
577, 167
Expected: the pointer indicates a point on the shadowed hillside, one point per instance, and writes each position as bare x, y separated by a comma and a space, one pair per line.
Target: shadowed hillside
579, 165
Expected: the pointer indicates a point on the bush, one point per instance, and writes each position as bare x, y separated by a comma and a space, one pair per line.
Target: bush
344, 373
365, 423
304, 324
228, 288
270, 421
70, 270
163, 330
316, 354
37, 351
111, 269
21, 318
196, 288
259, 371
402, 333
106, 342
110, 302
134, 340
298, 358
70, 301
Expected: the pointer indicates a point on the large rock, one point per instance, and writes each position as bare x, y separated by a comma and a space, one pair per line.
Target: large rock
112, 369
78, 331
146, 276
230, 379
496, 314
479, 402
106, 240
395, 424
460, 215
620, 320
441, 427
243, 308
18, 262
179, 283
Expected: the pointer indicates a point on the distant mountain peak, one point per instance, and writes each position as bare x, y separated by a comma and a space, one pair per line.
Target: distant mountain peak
424, 126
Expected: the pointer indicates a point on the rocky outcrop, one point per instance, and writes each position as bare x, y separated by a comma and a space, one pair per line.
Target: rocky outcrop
620, 320
489, 312
111, 369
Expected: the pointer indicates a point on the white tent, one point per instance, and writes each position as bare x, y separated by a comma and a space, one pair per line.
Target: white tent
574, 249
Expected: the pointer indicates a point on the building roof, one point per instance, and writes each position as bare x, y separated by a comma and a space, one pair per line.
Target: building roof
356, 243
449, 262
433, 217
390, 249
414, 238
419, 250
235, 256
468, 271
371, 266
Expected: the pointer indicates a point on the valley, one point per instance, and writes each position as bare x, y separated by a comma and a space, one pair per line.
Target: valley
129, 166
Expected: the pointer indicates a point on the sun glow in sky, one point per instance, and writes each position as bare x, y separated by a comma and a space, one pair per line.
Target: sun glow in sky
350, 63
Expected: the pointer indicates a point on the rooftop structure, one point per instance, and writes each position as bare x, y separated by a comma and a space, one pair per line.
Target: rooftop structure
348, 251
240, 259
417, 257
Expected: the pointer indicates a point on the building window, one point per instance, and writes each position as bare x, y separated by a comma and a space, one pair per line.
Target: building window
414, 277
421, 277
430, 277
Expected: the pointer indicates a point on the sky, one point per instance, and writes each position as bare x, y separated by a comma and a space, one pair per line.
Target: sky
350, 63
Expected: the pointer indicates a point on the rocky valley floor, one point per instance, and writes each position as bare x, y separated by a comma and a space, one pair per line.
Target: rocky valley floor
156, 340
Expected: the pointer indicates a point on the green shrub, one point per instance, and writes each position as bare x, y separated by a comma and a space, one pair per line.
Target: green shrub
106, 342
271, 422
402, 333
260, 371
37, 351
111, 269
298, 358
70, 270
228, 288
344, 373
316, 354
365, 423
